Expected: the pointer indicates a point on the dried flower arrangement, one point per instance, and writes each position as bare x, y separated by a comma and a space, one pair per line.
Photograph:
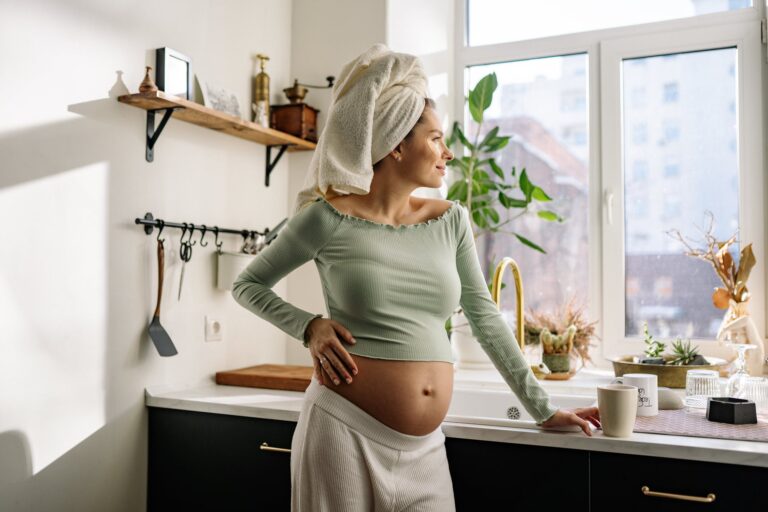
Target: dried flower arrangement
570, 313
733, 277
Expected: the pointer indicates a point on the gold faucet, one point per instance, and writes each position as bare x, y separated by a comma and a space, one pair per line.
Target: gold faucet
496, 294
538, 370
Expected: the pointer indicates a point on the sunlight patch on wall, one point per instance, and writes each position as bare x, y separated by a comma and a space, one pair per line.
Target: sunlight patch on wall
53, 303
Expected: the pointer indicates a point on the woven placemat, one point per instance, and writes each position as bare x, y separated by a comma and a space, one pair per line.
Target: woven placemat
695, 423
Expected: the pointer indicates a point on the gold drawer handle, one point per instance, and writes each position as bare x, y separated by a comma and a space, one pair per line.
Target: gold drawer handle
709, 499
264, 446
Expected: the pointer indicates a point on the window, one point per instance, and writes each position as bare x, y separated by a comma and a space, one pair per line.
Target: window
664, 140
551, 143
671, 129
670, 92
500, 21
640, 171
671, 170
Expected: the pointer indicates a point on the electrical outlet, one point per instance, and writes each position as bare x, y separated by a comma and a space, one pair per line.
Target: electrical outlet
213, 329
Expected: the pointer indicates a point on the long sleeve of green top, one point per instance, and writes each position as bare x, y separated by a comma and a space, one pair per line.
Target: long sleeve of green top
393, 287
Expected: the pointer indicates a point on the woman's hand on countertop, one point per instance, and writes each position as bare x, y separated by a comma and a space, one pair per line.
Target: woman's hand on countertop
580, 417
324, 337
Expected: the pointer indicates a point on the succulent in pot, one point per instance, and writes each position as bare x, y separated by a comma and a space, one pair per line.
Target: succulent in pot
653, 348
557, 349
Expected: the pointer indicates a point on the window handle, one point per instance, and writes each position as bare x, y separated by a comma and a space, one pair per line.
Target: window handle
608, 200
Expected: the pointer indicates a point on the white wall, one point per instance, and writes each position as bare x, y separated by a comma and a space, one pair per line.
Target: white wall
77, 276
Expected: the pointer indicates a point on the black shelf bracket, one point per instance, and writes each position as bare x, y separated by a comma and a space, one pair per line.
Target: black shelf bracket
152, 132
270, 164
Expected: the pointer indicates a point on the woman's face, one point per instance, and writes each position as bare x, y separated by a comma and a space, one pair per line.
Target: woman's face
425, 153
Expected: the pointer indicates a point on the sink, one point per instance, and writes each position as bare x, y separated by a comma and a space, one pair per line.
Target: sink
503, 408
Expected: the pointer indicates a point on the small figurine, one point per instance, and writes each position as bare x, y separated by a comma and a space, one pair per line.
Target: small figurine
147, 85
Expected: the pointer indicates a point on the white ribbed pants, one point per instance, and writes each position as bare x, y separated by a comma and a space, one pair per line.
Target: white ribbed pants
345, 460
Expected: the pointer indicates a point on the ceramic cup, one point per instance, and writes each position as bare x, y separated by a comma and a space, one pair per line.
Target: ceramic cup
647, 391
617, 404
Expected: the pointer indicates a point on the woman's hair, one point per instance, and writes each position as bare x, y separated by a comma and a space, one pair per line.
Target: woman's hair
428, 103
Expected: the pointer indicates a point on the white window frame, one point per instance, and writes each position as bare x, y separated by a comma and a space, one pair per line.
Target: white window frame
745, 36
605, 48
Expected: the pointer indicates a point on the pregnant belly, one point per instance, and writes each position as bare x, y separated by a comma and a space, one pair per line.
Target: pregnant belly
411, 397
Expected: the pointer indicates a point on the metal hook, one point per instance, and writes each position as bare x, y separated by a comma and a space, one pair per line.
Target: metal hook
216, 241
182, 243
203, 236
161, 223
190, 242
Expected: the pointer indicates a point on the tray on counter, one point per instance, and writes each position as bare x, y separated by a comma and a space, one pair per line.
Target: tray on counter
269, 376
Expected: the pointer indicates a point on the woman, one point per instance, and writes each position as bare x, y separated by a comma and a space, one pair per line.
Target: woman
393, 268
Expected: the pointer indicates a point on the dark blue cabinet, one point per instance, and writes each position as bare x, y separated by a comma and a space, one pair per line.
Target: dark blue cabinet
203, 461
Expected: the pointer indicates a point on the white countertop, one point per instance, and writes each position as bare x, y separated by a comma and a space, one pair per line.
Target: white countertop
285, 406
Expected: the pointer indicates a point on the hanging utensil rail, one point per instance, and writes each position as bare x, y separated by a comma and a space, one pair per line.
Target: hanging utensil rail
150, 223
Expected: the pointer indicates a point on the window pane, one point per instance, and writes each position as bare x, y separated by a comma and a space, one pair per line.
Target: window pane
542, 104
501, 21
683, 165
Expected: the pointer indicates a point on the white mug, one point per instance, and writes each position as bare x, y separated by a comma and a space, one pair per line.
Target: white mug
617, 404
647, 391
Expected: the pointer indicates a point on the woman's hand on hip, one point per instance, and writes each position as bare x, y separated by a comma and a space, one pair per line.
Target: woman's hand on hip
329, 357
578, 417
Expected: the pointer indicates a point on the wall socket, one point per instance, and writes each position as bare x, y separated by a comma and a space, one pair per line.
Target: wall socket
214, 330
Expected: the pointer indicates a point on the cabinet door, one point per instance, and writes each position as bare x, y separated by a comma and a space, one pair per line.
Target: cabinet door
617, 480
502, 476
213, 461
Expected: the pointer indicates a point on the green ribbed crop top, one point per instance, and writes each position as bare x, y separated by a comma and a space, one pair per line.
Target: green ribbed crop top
393, 287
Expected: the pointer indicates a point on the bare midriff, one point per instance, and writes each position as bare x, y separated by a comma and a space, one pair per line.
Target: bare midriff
411, 397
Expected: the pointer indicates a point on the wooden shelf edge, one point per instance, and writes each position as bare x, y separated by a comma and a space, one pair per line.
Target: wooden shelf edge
206, 117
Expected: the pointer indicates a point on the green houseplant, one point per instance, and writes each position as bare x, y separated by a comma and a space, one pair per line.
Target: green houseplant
474, 162
482, 194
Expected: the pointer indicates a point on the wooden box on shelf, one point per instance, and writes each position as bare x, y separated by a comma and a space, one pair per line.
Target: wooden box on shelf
298, 119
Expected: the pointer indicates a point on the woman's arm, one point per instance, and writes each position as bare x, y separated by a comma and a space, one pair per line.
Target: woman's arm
492, 331
299, 241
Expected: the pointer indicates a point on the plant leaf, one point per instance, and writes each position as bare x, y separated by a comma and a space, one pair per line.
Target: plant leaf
530, 244
460, 135
746, 262
458, 190
496, 169
550, 216
497, 143
539, 195
482, 95
526, 186
490, 136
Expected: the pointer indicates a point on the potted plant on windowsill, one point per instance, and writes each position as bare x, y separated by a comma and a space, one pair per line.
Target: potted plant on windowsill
570, 313
671, 369
483, 196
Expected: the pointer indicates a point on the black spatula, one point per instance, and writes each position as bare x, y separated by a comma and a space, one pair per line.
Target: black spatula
159, 337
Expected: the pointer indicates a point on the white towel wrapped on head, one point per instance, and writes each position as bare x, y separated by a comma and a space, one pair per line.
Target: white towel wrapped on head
377, 99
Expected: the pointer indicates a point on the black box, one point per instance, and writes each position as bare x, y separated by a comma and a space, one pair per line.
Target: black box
731, 410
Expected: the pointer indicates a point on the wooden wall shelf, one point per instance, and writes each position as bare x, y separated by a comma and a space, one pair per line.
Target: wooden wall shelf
191, 112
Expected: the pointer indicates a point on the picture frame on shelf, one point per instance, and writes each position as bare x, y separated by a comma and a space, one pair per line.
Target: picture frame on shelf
222, 100
173, 73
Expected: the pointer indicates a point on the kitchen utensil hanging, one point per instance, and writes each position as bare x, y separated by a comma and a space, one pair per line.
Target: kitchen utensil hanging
157, 332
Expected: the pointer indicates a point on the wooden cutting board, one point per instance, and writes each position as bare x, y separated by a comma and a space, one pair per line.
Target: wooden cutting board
270, 376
